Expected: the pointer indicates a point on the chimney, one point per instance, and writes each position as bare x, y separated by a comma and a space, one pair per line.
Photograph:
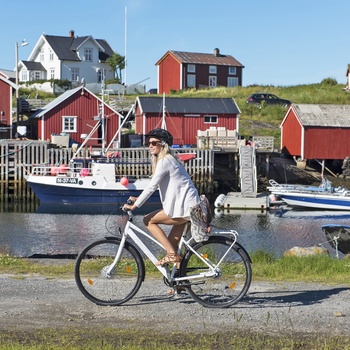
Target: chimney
71, 33
216, 52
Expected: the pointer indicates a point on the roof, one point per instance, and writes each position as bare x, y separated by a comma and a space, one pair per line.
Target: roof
323, 115
57, 101
65, 46
8, 73
202, 58
30, 65
175, 105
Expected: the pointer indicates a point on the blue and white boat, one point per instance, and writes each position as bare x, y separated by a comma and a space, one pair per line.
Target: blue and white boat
96, 183
323, 197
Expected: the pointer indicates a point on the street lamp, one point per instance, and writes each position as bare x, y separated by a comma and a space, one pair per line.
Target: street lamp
23, 43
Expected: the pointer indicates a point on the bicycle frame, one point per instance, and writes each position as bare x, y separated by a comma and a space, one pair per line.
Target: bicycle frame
131, 231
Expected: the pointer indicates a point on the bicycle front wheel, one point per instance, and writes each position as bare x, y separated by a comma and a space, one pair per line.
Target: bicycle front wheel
100, 280
232, 276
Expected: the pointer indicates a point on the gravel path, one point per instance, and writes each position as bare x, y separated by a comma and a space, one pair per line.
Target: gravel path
29, 303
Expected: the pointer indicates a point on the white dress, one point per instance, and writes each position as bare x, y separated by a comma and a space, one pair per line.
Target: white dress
176, 189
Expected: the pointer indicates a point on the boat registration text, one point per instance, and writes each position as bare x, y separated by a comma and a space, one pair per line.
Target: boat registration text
66, 180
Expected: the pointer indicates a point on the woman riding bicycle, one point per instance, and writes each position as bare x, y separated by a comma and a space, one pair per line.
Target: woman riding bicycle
177, 193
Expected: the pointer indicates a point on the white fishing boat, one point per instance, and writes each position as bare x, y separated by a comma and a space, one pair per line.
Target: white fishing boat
324, 196
338, 237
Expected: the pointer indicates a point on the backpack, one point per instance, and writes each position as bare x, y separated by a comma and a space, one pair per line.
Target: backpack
201, 218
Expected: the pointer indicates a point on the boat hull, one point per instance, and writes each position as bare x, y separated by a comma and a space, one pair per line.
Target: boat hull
316, 201
89, 190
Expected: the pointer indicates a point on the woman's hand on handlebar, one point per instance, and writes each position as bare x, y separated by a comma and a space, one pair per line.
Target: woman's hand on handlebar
130, 204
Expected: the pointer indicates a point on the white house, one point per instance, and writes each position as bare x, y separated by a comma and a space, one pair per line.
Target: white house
68, 57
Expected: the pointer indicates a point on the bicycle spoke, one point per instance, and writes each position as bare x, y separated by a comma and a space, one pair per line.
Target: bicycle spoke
228, 283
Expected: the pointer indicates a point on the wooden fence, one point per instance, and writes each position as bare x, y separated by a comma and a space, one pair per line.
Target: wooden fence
17, 159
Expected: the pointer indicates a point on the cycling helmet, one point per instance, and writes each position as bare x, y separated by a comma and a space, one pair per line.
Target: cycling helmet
161, 134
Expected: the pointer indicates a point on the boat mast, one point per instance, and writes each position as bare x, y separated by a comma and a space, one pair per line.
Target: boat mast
164, 113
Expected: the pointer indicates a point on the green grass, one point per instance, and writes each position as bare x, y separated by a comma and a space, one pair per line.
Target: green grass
108, 339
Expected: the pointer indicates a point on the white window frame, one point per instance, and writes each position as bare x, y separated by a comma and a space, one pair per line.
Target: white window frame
191, 80
69, 123
52, 73
74, 74
51, 56
212, 69
211, 119
88, 55
191, 68
232, 81
232, 70
41, 56
212, 81
24, 75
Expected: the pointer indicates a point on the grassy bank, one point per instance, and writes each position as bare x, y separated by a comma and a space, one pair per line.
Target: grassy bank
109, 339
318, 268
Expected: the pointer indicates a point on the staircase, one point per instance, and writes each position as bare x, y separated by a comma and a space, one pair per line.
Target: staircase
248, 174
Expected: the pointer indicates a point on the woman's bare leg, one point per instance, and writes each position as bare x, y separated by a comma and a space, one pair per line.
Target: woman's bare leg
155, 218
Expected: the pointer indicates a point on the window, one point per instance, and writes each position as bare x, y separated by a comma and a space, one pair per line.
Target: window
69, 124
191, 80
232, 70
52, 73
51, 55
74, 74
37, 75
191, 68
88, 55
210, 119
232, 81
101, 75
212, 81
41, 56
24, 75
212, 69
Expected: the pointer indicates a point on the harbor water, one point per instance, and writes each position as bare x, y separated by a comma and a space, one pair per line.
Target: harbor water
63, 231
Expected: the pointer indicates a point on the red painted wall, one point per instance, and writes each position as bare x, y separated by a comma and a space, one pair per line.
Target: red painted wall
85, 107
5, 102
169, 75
327, 143
183, 128
291, 135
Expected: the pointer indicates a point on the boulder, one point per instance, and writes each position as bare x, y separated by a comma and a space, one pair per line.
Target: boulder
306, 251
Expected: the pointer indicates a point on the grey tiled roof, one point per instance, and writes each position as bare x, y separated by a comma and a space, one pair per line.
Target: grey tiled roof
189, 105
30, 65
65, 46
323, 115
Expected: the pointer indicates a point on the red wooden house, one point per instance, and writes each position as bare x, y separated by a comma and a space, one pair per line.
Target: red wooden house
6, 96
183, 117
75, 113
316, 131
179, 70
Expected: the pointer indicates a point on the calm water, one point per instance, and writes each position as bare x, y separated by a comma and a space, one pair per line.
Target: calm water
56, 230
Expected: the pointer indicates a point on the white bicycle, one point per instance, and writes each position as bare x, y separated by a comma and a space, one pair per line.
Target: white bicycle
216, 273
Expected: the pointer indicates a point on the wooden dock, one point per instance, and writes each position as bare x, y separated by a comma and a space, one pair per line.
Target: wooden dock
17, 159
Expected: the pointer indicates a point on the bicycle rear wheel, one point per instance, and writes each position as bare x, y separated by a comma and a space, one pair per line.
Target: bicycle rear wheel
233, 277
109, 288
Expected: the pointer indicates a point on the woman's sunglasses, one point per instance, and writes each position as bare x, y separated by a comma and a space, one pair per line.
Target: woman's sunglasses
153, 143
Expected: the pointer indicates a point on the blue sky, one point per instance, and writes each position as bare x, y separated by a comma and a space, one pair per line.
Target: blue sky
279, 42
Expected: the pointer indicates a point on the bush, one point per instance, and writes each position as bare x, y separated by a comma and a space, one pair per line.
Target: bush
329, 81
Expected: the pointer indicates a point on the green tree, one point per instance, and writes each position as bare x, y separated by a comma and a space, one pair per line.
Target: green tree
117, 64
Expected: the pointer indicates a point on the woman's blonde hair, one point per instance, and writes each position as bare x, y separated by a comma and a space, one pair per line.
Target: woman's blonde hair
155, 158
